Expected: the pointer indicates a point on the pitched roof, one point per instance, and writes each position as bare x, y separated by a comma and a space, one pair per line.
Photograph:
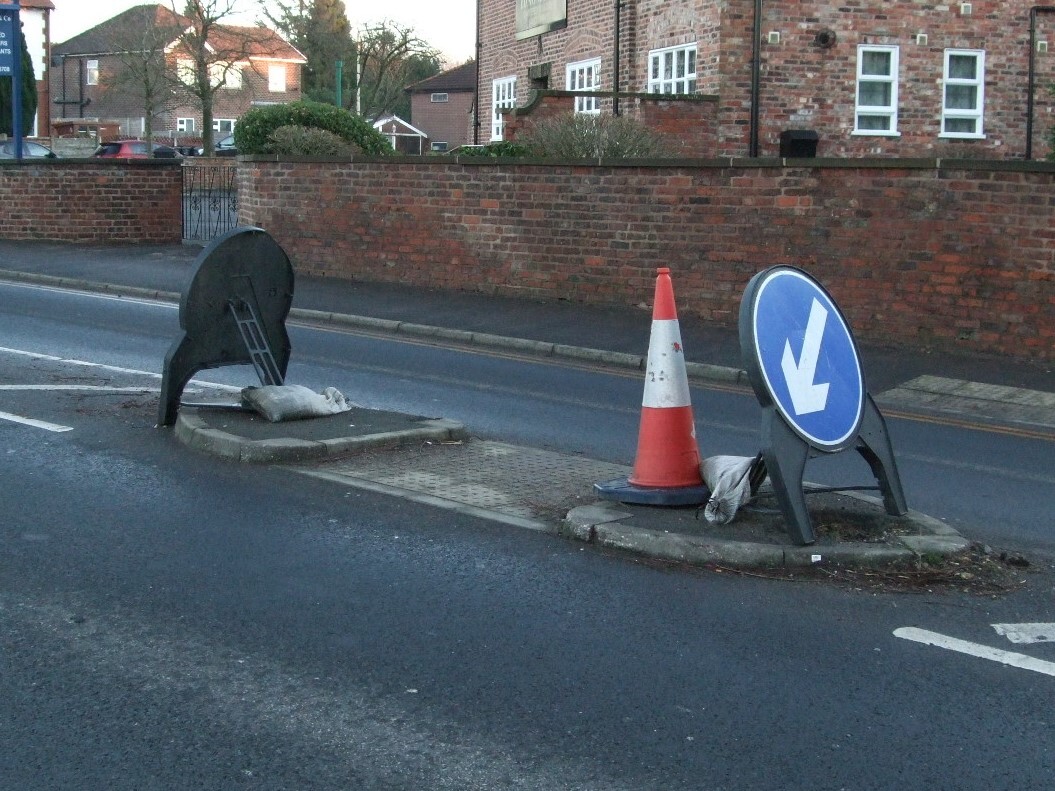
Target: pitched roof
459, 79
43, 4
256, 42
397, 124
108, 36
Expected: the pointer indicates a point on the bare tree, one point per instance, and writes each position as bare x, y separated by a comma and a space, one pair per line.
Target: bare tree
142, 76
208, 53
389, 57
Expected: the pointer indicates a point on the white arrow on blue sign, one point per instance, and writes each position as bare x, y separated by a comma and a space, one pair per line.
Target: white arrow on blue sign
807, 358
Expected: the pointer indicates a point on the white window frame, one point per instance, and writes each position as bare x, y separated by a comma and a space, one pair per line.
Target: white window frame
91, 72
672, 70
975, 114
439, 145
503, 94
224, 125
888, 111
585, 75
439, 97
186, 125
276, 77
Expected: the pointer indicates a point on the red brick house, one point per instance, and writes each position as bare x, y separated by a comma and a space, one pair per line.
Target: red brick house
90, 73
442, 106
887, 78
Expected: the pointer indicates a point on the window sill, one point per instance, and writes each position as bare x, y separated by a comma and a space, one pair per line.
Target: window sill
874, 133
952, 136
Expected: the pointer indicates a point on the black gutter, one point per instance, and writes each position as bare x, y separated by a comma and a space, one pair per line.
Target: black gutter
1047, 9
756, 72
615, 58
476, 99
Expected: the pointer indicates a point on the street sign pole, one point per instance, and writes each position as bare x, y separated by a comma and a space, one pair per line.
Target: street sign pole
803, 365
11, 63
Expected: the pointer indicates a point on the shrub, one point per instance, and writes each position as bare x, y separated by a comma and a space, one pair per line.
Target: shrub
252, 135
307, 141
501, 148
581, 136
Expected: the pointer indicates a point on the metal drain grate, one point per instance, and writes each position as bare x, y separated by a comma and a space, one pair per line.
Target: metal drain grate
508, 479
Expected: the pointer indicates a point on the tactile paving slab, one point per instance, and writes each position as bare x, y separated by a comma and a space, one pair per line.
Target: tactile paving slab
509, 479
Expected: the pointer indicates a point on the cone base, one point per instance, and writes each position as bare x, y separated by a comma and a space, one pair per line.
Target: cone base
622, 491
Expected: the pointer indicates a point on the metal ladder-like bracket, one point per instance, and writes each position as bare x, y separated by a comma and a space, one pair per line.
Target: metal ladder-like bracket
255, 342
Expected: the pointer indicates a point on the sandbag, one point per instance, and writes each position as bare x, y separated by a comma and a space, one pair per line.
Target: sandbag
732, 481
294, 402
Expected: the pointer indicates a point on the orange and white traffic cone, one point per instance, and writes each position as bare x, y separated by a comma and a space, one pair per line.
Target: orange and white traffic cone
667, 466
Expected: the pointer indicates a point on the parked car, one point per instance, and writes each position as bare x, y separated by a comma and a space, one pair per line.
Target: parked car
29, 150
225, 147
135, 149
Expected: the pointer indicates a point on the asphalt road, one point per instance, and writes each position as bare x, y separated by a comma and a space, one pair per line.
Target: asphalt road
169, 620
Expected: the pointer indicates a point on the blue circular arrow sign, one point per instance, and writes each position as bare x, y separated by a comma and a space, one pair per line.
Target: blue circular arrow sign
802, 358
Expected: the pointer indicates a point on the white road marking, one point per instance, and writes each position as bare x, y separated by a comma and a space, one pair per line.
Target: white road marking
28, 421
976, 649
1026, 633
160, 301
113, 368
88, 388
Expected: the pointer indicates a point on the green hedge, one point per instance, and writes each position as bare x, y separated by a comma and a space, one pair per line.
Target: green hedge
253, 133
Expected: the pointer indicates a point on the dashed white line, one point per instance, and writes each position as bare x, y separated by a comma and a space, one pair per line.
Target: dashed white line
86, 388
1009, 658
1026, 633
28, 421
112, 368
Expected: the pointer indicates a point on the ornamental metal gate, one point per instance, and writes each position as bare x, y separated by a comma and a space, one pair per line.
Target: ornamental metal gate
210, 200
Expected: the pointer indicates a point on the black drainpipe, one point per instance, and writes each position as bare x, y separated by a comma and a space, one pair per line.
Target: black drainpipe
756, 72
1047, 9
476, 99
615, 60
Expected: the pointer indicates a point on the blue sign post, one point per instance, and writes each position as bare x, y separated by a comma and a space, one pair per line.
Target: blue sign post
11, 66
803, 364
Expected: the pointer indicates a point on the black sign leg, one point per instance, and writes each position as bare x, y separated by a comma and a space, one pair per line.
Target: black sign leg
874, 444
786, 454
181, 363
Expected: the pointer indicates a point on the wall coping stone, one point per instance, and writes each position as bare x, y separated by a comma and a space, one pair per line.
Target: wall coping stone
716, 163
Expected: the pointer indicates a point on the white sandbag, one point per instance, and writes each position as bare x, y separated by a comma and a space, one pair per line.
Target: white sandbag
729, 479
294, 402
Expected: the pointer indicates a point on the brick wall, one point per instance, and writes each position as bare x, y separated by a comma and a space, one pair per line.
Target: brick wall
944, 254
92, 202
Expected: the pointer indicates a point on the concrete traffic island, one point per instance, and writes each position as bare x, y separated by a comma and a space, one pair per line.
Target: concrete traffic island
248, 437
852, 529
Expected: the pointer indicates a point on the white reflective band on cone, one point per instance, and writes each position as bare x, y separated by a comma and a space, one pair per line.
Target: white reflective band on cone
666, 383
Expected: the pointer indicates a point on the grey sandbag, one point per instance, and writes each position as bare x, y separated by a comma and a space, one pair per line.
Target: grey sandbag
731, 482
294, 402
